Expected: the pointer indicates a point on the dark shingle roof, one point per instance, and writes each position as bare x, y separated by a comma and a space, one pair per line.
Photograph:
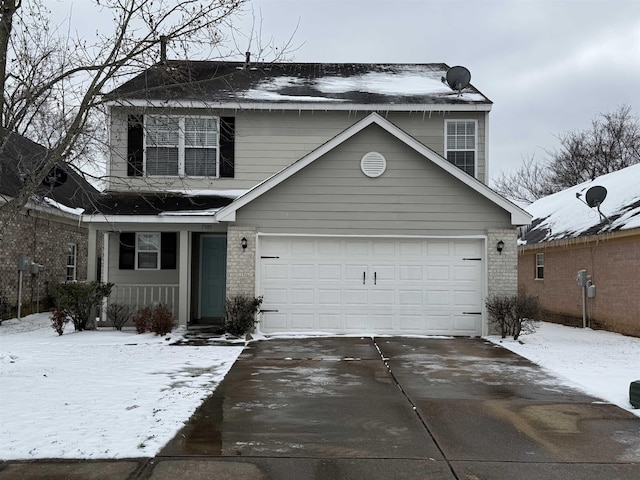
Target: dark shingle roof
133, 203
307, 83
20, 158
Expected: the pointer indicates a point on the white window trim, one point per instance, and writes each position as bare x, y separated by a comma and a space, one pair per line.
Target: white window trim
157, 267
538, 265
75, 262
475, 142
181, 145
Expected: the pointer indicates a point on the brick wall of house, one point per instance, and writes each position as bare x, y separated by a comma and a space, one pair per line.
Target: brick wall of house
502, 267
241, 263
44, 239
613, 266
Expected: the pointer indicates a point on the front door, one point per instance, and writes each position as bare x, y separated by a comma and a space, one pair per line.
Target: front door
213, 274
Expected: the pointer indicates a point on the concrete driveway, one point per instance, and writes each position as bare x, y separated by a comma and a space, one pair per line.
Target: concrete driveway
406, 408
384, 408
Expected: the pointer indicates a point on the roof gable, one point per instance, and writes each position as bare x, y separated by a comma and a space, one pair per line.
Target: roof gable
305, 85
518, 216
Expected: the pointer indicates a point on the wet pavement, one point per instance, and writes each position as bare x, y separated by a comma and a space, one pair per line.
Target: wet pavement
390, 407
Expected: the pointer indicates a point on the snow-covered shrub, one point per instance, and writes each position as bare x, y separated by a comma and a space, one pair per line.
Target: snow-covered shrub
80, 300
514, 314
240, 314
59, 318
118, 314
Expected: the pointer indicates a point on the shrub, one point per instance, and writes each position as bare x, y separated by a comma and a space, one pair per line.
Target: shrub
239, 314
514, 314
59, 319
142, 320
157, 319
80, 300
161, 319
118, 314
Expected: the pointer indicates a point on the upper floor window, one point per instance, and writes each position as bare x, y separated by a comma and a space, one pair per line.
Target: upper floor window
539, 266
193, 146
461, 145
72, 258
181, 146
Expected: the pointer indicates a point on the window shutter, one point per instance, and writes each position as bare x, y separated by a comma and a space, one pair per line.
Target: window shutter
135, 145
227, 146
168, 250
127, 259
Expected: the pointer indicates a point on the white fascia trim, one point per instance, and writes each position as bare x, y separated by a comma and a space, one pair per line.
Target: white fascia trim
391, 237
311, 106
518, 215
172, 219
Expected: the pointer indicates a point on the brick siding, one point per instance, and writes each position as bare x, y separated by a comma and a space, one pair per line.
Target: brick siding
612, 265
502, 268
241, 263
44, 239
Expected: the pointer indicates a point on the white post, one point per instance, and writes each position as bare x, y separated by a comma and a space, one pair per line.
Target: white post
91, 254
184, 298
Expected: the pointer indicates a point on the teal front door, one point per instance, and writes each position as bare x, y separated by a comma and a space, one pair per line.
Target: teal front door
213, 275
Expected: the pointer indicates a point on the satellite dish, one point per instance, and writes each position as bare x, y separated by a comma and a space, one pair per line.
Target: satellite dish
57, 176
458, 78
595, 196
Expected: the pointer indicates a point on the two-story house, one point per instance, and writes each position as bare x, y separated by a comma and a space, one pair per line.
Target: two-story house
352, 197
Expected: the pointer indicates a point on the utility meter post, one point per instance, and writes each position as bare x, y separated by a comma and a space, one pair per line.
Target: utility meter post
24, 264
581, 280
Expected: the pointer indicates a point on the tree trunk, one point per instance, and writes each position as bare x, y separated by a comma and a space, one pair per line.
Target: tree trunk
7, 9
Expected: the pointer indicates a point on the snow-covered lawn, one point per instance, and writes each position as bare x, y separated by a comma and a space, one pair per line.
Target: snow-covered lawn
98, 394
601, 363
113, 394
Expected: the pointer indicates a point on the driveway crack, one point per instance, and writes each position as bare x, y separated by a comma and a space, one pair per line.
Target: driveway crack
385, 360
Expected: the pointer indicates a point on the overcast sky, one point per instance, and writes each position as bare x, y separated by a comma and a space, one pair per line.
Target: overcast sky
549, 66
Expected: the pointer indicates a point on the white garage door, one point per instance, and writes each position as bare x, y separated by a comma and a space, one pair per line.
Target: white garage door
362, 285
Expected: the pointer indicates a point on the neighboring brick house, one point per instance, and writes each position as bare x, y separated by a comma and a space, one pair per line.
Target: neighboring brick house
567, 235
351, 197
48, 229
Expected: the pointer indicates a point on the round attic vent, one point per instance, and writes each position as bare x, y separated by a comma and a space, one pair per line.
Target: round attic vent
373, 164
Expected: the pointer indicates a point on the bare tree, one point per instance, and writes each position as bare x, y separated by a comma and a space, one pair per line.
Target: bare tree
52, 81
610, 144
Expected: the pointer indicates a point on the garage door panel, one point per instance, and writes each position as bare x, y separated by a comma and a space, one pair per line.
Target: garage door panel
438, 273
330, 272
383, 297
331, 297
275, 272
302, 296
420, 286
355, 322
355, 297
304, 271
302, 321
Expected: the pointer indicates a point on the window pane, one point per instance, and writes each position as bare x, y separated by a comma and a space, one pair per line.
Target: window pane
200, 162
201, 132
162, 161
463, 160
149, 241
162, 131
147, 260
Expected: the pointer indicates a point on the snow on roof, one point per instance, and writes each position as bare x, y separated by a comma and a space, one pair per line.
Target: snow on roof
308, 84
74, 211
566, 215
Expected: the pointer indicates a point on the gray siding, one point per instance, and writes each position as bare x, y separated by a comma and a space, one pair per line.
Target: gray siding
266, 142
413, 197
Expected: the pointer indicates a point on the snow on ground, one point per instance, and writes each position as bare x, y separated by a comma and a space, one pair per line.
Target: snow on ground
108, 394
600, 363
98, 394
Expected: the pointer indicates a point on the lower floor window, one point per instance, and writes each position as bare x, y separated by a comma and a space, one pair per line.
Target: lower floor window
147, 250
539, 266
72, 258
